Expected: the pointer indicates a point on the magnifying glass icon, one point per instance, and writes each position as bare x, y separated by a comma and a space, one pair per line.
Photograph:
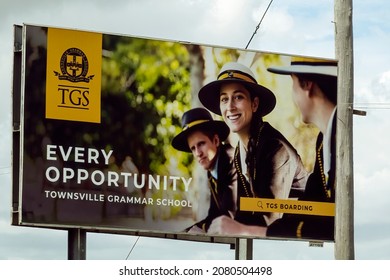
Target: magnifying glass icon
260, 204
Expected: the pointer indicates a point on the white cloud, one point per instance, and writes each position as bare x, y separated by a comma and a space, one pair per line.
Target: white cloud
371, 196
285, 28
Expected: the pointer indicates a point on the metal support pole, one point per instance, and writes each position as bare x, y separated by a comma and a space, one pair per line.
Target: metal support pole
77, 243
244, 249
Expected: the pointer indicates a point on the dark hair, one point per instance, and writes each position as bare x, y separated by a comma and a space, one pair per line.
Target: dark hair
254, 130
327, 84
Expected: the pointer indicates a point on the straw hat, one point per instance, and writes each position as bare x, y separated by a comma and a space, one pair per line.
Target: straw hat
307, 66
236, 72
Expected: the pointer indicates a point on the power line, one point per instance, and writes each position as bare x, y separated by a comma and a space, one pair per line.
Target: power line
372, 105
258, 26
131, 250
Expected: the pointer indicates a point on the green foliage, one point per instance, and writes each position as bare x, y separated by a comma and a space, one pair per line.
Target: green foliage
145, 90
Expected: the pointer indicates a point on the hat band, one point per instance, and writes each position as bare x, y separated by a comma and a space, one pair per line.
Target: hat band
314, 63
233, 74
191, 124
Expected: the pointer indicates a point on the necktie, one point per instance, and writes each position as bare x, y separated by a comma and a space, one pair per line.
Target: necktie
214, 190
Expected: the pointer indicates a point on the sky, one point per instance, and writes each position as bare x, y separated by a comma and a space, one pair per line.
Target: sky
303, 27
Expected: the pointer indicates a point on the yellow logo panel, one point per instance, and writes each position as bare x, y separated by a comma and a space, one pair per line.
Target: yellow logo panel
73, 76
287, 206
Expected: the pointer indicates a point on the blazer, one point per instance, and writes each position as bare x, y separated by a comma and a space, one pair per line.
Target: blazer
311, 226
221, 198
278, 171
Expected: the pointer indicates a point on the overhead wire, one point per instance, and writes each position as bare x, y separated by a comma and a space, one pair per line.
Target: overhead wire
258, 26
372, 105
131, 250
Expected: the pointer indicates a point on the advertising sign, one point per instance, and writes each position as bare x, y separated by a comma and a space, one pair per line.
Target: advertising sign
129, 134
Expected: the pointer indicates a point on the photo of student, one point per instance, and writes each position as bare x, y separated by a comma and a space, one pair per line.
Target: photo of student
314, 90
267, 165
203, 137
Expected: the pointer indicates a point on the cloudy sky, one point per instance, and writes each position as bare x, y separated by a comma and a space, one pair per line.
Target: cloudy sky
291, 26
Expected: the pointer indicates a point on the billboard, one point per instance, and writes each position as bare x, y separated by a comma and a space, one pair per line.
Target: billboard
110, 137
